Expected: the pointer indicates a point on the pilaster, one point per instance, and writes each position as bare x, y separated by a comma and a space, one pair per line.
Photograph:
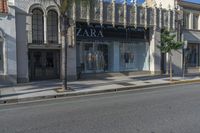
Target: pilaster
113, 13
125, 13
45, 29
199, 22
101, 12
191, 20
155, 54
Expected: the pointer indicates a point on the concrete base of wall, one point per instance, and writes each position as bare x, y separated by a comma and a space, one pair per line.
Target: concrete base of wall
116, 74
22, 80
156, 72
8, 79
71, 77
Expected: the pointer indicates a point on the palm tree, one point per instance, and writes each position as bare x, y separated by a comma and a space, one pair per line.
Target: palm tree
64, 7
168, 44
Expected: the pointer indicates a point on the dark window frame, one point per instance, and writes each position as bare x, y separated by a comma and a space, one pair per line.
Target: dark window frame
37, 26
52, 27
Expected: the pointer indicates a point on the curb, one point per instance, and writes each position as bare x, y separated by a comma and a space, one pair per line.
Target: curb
71, 94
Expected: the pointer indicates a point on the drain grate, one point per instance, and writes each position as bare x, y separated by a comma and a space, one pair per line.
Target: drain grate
147, 82
125, 84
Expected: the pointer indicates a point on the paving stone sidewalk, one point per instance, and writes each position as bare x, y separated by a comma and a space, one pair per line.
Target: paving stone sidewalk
48, 89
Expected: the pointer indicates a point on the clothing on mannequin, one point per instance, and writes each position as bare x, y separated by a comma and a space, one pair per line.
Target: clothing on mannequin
126, 57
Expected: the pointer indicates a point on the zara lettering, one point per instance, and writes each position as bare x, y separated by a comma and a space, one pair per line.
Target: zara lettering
89, 33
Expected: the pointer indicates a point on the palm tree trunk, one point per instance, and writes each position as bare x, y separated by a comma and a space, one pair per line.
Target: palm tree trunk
170, 60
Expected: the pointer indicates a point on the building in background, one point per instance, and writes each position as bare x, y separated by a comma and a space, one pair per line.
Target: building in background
191, 33
8, 55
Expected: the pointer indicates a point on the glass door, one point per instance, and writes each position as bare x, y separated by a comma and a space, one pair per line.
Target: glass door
44, 64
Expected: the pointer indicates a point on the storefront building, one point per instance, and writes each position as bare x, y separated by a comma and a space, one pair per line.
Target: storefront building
8, 59
108, 49
107, 37
191, 34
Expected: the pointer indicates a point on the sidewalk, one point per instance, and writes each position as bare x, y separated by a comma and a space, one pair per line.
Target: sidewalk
48, 89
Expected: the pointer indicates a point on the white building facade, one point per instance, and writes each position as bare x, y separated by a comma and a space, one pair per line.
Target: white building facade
191, 34
108, 38
8, 55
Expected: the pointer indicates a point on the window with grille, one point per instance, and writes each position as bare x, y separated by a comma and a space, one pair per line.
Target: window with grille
52, 27
37, 26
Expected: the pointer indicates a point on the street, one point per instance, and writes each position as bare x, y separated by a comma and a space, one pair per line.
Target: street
172, 109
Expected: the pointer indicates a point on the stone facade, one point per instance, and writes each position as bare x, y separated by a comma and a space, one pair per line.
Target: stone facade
8, 42
150, 16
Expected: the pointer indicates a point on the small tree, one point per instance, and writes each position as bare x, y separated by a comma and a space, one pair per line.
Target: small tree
168, 44
64, 7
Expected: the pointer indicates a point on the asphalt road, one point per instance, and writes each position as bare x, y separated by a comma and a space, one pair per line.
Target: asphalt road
174, 109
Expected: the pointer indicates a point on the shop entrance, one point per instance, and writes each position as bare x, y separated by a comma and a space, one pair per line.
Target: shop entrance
44, 64
94, 57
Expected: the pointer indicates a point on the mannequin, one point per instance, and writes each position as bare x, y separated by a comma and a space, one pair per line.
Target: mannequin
126, 59
89, 59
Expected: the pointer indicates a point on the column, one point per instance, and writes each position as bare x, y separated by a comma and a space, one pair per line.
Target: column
199, 22
116, 57
88, 13
191, 21
136, 19
155, 54
125, 13
160, 16
113, 13
169, 18
101, 12
174, 19
71, 56
146, 14
45, 29
29, 28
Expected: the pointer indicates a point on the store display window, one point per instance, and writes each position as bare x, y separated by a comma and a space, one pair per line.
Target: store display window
134, 56
94, 57
97, 57
193, 55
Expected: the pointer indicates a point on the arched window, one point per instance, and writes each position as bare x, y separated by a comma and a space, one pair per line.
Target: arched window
37, 26
52, 27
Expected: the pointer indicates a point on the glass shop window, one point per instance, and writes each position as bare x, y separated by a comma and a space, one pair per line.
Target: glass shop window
134, 56
193, 55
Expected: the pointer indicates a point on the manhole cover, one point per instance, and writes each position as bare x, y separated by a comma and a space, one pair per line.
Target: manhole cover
125, 84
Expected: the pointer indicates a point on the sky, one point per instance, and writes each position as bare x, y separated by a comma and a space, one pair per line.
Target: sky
141, 1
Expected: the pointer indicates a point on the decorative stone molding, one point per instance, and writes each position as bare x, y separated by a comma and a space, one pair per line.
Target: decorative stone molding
113, 13
101, 11
125, 13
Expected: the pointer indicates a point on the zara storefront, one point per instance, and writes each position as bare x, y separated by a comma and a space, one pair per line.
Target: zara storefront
107, 49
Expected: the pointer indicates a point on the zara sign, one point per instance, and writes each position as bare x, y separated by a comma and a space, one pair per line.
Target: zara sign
95, 31
89, 32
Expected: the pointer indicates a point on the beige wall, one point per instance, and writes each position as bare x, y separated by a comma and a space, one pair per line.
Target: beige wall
165, 3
